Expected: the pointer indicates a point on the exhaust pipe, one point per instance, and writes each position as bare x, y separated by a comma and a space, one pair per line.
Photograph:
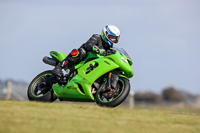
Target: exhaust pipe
49, 61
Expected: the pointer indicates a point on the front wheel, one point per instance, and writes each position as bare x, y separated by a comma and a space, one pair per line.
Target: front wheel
115, 96
38, 90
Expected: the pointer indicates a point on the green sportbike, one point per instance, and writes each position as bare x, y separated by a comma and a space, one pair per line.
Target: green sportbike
100, 79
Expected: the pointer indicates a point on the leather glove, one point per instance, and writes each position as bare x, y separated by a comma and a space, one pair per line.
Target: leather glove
95, 49
102, 52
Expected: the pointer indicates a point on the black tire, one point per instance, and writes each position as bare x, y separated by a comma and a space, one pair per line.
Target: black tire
124, 87
48, 96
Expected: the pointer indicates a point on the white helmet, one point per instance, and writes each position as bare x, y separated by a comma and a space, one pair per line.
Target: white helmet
111, 34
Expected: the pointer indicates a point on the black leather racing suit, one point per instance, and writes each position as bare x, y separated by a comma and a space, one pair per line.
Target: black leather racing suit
95, 40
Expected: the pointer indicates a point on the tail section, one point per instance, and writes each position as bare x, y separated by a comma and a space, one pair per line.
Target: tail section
58, 55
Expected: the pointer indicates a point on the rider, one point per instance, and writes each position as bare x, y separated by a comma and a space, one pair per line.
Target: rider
97, 43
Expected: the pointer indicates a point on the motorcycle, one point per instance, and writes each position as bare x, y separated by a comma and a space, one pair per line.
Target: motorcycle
100, 79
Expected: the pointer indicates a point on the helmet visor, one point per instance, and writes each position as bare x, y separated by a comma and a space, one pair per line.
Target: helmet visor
114, 39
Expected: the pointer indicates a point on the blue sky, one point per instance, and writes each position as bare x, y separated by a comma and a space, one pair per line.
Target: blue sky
162, 37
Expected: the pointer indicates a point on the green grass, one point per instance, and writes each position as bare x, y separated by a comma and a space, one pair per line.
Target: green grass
35, 117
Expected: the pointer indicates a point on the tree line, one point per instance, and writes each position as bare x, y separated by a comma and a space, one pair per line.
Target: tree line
168, 95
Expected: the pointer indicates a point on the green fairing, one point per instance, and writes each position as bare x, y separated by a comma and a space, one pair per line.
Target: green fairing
58, 55
79, 87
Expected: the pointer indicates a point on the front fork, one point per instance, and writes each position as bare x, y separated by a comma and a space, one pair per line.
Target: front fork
109, 78
112, 80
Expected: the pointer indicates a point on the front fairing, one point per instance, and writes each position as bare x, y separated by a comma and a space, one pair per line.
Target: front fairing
119, 60
124, 63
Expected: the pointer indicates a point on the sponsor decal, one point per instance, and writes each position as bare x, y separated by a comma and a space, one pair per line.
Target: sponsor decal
124, 60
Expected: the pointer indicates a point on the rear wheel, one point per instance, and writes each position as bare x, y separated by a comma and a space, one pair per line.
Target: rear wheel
38, 90
115, 96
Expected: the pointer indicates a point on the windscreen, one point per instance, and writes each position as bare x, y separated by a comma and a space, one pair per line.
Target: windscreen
121, 50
